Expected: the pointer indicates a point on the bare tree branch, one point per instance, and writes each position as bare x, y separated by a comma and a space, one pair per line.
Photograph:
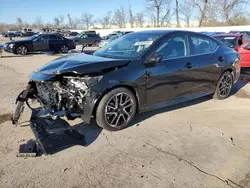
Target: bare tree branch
87, 20
120, 17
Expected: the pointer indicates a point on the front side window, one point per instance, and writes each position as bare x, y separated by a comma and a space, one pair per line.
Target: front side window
202, 45
175, 47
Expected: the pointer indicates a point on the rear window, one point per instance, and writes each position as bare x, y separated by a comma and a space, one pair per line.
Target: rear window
229, 41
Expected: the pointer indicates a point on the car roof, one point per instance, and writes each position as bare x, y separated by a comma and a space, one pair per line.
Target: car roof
229, 35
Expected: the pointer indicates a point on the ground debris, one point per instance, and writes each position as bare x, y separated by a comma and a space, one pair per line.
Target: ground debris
65, 169
232, 140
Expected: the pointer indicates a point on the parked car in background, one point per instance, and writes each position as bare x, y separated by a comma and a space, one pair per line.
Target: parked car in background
135, 73
73, 34
42, 42
87, 39
244, 51
28, 34
233, 40
108, 36
113, 37
110, 39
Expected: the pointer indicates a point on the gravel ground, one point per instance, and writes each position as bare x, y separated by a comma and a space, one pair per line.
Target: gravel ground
202, 143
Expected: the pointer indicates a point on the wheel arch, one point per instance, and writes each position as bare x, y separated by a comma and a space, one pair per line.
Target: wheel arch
129, 87
27, 46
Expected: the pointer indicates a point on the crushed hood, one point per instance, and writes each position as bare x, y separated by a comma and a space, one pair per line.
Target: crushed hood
80, 64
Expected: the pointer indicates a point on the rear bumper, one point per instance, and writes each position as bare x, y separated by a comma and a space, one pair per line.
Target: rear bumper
236, 76
245, 64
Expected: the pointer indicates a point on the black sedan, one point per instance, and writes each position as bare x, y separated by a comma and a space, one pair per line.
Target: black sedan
137, 72
37, 43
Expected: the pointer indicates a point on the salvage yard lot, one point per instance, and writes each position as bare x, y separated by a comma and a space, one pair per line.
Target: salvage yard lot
202, 143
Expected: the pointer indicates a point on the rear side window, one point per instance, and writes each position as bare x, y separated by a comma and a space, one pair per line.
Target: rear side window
44, 37
202, 45
55, 37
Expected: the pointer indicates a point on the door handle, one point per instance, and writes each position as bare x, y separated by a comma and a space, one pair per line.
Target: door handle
220, 58
189, 65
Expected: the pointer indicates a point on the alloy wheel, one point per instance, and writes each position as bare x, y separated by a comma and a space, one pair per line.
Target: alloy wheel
118, 110
21, 50
64, 49
225, 85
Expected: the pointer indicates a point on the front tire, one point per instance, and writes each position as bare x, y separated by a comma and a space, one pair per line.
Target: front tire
21, 50
224, 86
64, 49
116, 109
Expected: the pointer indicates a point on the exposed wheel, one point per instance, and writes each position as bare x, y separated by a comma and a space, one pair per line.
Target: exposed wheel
96, 43
64, 49
21, 50
224, 86
116, 109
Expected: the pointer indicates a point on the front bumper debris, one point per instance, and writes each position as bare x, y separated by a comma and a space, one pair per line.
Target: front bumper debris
51, 135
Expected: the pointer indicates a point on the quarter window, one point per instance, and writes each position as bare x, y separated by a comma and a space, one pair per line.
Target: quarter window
202, 45
175, 47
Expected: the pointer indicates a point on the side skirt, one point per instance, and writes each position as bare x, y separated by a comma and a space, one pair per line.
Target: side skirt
176, 101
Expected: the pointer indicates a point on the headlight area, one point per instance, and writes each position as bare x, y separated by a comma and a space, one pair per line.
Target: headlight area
11, 45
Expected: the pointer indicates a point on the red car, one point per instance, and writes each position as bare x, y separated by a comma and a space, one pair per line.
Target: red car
233, 40
244, 51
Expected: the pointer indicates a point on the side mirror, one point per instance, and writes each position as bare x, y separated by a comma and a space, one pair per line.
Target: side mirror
152, 60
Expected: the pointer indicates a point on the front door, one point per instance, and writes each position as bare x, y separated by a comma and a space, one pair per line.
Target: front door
169, 76
41, 43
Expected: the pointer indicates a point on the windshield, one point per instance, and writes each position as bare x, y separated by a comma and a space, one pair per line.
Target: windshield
129, 46
32, 37
79, 35
229, 41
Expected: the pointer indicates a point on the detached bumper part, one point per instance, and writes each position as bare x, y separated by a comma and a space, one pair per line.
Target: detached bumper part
54, 135
51, 135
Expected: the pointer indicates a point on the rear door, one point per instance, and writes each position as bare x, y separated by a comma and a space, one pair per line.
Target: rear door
55, 42
41, 43
205, 62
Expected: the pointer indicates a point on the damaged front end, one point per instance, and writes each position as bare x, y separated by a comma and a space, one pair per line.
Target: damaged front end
53, 98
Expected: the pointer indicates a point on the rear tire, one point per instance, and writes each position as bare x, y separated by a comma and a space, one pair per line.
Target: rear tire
116, 109
224, 86
96, 43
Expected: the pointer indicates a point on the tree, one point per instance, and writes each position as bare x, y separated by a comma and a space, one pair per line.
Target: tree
139, 19
158, 6
87, 19
232, 8
56, 21
106, 20
202, 6
38, 22
61, 19
70, 22
186, 12
131, 17
19, 23
177, 13
120, 17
